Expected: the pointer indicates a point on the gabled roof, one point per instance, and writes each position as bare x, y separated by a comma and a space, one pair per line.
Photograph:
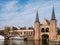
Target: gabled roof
45, 22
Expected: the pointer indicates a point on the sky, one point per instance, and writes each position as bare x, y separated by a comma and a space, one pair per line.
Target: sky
21, 13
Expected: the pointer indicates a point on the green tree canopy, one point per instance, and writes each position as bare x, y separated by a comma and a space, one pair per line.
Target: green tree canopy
7, 30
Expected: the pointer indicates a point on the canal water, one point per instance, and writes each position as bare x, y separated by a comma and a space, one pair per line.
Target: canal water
21, 42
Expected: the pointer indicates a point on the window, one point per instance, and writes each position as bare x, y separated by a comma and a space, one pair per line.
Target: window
21, 33
30, 33
24, 32
16, 32
47, 29
27, 33
42, 30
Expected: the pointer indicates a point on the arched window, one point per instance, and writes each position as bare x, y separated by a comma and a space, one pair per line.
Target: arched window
42, 30
47, 29
24, 32
21, 33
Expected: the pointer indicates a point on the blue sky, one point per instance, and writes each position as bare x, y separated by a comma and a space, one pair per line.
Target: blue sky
20, 13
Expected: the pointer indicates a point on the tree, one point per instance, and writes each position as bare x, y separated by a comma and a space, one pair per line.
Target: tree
58, 30
7, 30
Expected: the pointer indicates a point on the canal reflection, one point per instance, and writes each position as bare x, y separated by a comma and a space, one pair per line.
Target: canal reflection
21, 42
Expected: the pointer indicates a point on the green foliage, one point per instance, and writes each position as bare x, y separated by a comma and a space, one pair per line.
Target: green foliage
58, 31
6, 30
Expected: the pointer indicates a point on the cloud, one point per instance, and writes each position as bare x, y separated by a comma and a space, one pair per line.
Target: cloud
15, 14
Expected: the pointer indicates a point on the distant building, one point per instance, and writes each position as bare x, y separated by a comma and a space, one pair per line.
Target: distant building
1, 31
46, 30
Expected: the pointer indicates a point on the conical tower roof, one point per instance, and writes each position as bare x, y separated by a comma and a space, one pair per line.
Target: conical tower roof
37, 17
53, 15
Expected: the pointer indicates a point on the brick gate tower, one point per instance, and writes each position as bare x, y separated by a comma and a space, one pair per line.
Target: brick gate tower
47, 29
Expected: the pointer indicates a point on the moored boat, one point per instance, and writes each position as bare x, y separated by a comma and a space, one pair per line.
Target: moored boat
17, 38
2, 37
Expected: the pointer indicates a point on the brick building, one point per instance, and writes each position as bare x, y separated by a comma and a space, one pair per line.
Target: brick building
47, 29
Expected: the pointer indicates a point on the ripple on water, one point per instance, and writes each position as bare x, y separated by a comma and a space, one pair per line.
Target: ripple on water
22, 42
1, 42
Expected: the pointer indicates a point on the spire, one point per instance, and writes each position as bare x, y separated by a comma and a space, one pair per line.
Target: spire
53, 15
37, 17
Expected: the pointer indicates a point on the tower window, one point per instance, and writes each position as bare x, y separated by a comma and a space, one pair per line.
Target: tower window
47, 29
42, 30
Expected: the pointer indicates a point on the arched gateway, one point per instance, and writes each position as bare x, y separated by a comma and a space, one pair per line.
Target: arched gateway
45, 36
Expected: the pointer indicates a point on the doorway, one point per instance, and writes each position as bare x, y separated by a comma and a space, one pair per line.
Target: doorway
45, 38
